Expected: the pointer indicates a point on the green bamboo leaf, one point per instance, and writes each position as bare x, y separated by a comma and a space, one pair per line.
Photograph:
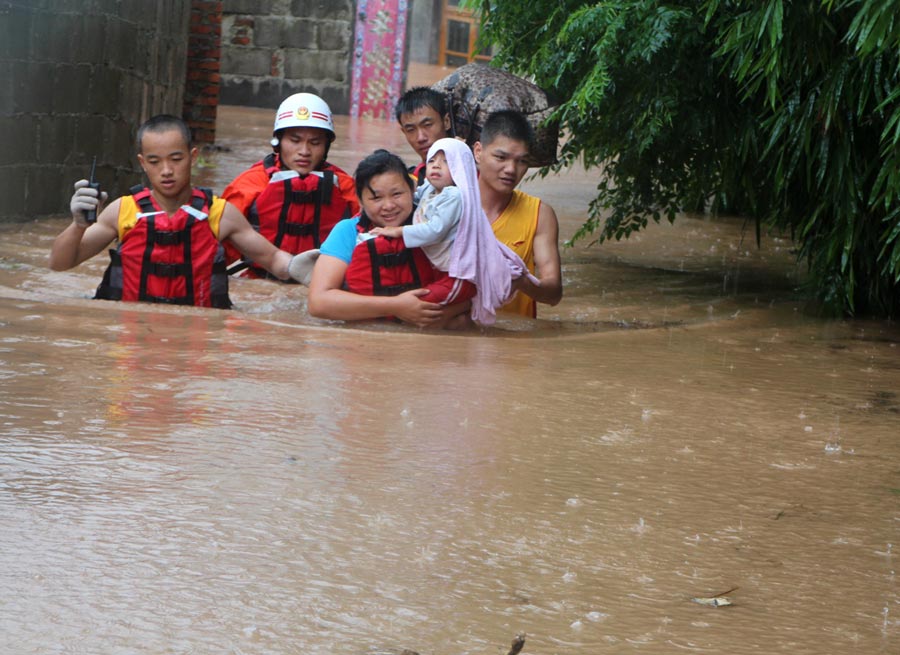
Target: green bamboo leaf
775, 32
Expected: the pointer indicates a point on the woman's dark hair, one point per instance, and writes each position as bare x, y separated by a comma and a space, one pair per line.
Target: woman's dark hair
378, 163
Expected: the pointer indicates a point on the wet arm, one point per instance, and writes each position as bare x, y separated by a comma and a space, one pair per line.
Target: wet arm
252, 244
78, 243
328, 300
546, 260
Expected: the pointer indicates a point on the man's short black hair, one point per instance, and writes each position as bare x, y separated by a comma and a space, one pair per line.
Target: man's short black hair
418, 97
163, 123
509, 123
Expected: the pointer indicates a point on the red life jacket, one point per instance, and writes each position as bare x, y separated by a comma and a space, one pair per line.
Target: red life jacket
386, 267
418, 173
297, 212
168, 259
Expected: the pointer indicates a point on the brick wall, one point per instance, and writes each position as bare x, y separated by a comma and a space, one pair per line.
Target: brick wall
201, 88
76, 79
273, 48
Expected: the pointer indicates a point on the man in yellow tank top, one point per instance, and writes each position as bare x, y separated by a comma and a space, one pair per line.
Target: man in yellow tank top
524, 223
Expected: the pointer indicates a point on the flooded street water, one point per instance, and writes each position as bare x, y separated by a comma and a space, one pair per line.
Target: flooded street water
256, 481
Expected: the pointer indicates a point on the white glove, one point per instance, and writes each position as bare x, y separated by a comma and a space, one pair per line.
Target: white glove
301, 266
84, 199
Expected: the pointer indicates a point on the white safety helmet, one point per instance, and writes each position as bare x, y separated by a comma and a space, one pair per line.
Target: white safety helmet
303, 110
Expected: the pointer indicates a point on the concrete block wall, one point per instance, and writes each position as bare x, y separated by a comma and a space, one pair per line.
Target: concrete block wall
273, 48
76, 79
201, 88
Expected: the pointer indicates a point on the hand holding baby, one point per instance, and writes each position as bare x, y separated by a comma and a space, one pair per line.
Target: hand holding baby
394, 232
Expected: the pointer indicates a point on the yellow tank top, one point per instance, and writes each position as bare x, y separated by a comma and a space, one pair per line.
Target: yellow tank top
516, 227
128, 211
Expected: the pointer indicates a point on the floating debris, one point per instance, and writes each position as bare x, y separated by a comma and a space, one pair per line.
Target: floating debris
714, 601
719, 600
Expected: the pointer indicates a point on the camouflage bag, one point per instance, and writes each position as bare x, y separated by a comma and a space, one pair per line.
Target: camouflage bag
475, 90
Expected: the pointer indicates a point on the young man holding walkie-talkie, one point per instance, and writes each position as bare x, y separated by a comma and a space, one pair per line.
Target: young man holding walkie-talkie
168, 233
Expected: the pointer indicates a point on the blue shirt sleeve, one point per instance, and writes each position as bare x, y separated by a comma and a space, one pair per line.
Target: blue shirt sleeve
342, 240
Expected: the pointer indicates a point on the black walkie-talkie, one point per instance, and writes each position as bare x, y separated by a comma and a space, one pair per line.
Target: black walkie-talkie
91, 215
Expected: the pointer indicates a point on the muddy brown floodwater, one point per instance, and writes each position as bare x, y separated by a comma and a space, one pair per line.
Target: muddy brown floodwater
256, 481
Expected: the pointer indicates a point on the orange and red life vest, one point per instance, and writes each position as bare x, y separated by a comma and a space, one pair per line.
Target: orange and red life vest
418, 172
173, 259
297, 212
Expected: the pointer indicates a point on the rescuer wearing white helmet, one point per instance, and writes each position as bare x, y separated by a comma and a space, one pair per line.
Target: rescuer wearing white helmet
302, 110
293, 196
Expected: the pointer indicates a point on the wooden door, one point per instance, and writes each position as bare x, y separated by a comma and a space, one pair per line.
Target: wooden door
459, 34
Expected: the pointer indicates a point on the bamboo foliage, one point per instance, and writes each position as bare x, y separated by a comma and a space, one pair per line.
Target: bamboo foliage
785, 111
